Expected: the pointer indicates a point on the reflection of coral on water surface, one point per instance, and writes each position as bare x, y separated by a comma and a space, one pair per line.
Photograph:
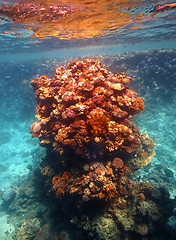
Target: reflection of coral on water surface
85, 115
70, 19
26, 12
164, 7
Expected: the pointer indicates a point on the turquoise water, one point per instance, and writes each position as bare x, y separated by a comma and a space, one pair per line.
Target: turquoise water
143, 45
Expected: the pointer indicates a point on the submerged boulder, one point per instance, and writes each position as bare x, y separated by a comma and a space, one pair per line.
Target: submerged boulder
8, 195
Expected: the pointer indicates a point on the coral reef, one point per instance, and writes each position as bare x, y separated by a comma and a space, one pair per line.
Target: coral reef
85, 116
144, 211
100, 181
139, 215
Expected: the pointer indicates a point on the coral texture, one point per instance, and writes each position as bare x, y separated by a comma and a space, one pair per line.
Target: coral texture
85, 115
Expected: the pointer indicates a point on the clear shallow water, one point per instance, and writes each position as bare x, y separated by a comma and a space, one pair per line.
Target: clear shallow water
129, 36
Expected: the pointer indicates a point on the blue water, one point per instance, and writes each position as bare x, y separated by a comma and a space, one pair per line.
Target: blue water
144, 46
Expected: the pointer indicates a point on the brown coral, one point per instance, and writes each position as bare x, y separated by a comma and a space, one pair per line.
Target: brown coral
100, 181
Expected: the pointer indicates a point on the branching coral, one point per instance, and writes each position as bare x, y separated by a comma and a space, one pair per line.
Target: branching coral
84, 113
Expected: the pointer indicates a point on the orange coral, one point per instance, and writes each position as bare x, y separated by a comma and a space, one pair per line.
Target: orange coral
84, 113
35, 129
98, 125
138, 105
80, 103
100, 181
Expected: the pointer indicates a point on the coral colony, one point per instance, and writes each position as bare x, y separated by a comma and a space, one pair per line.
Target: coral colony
85, 117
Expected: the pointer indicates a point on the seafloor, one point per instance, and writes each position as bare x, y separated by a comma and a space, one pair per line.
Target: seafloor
35, 213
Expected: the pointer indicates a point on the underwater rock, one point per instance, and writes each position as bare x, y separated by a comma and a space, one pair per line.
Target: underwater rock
142, 229
107, 228
168, 172
8, 195
171, 224
46, 233
27, 231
